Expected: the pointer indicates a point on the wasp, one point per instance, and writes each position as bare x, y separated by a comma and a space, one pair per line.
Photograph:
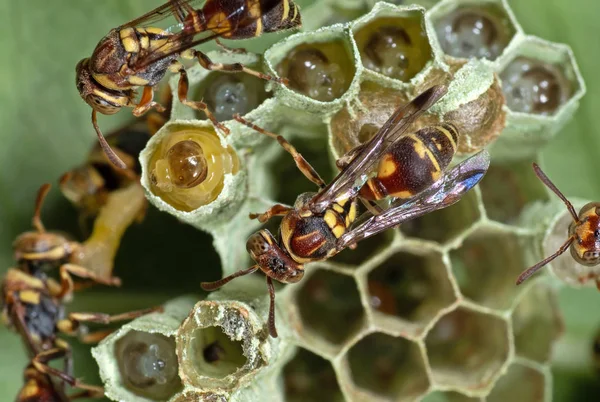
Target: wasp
138, 54
33, 305
406, 168
584, 233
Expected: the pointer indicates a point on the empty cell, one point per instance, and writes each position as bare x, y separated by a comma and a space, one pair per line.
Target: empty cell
213, 354
396, 47
537, 323
388, 366
148, 364
309, 377
322, 71
520, 383
467, 349
228, 94
366, 249
507, 188
411, 286
486, 266
330, 306
534, 86
440, 396
446, 224
475, 30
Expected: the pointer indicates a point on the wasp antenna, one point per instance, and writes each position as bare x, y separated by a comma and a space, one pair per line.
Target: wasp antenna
272, 328
39, 201
221, 282
542, 176
526, 274
108, 151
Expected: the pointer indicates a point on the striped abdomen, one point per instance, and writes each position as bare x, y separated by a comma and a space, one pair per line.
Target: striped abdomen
413, 163
239, 19
313, 238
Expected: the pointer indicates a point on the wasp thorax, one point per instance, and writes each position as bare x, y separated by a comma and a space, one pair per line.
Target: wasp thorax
228, 94
532, 86
188, 168
321, 71
148, 364
395, 47
474, 32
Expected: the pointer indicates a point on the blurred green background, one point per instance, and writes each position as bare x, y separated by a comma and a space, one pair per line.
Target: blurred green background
45, 130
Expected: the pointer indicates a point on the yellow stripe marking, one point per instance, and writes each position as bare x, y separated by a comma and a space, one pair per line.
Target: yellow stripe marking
387, 167
338, 208
448, 134
295, 12
259, 27
145, 42
30, 390
29, 296
402, 194
330, 218
338, 231
286, 10
137, 81
423, 151
54, 254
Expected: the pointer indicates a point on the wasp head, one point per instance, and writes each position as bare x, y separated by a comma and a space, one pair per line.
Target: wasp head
101, 99
36, 252
272, 259
586, 231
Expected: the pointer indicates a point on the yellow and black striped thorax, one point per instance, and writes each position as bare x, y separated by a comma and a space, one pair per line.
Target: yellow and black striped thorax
308, 237
413, 163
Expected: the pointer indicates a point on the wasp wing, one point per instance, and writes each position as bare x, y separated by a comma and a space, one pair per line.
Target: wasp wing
443, 193
176, 8
349, 181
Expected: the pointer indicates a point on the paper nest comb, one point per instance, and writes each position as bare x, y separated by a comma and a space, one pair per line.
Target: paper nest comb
427, 311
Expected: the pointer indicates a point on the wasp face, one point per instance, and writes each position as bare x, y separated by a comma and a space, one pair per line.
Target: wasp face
586, 247
272, 259
36, 251
101, 99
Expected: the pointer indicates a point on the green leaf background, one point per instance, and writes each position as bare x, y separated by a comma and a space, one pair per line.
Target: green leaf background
45, 130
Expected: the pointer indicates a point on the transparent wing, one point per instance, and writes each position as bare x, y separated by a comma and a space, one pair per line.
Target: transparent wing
443, 193
352, 177
176, 8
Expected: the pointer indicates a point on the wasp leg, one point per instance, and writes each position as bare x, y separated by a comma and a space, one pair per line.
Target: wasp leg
72, 323
208, 64
66, 281
182, 92
230, 49
307, 170
146, 103
275, 210
40, 362
96, 336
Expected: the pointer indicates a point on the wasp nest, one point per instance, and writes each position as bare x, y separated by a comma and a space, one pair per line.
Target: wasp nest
429, 310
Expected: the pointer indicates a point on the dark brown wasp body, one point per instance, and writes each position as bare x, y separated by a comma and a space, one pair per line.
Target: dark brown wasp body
138, 54
584, 234
321, 225
33, 305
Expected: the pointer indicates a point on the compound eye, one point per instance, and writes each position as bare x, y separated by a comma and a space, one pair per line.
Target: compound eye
257, 245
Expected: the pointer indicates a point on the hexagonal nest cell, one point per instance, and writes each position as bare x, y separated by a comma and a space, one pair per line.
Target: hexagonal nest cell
473, 29
439, 396
309, 377
507, 188
387, 366
329, 305
396, 47
487, 265
520, 383
537, 323
228, 94
148, 364
467, 349
413, 286
445, 225
366, 249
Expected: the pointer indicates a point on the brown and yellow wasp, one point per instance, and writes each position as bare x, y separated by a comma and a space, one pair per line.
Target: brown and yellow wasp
584, 234
33, 305
409, 168
138, 54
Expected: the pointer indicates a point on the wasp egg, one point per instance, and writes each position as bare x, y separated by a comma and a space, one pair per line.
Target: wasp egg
395, 47
532, 86
148, 364
475, 32
188, 168
229, 94
320, 71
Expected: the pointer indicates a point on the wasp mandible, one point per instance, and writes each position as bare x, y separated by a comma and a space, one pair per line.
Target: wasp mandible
33, 305
407, 168
138, 54
584, 233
